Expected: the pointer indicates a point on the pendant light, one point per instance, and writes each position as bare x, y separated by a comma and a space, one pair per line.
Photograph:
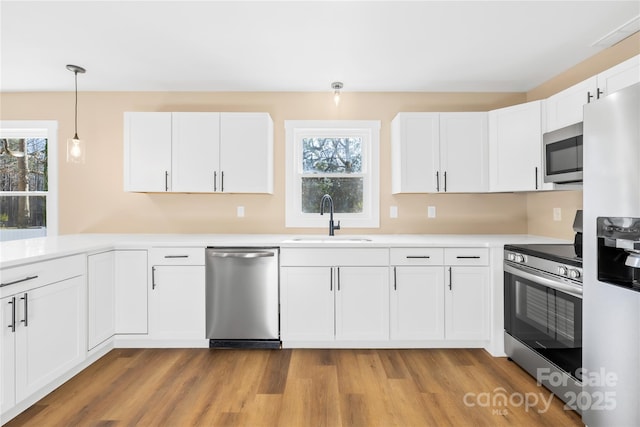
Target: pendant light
75, 146
336, 86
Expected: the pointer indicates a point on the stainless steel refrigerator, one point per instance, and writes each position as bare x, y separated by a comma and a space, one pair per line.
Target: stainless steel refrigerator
611, 312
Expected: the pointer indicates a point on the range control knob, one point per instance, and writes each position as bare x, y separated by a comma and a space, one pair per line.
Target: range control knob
519, 258
562, 270
574, 274
511, 257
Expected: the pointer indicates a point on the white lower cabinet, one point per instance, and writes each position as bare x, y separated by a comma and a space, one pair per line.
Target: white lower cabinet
467, 303
43, 337
440, 294
417, 303
131, 292
339, 302
101, 309
177, 294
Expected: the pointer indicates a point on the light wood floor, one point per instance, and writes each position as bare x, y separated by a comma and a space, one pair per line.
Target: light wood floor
189, 387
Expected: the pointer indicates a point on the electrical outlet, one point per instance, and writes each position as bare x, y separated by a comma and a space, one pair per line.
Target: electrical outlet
240, 211
431, 211
557, 214
393, 212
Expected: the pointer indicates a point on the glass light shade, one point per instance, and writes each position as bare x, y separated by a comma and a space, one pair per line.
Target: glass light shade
336, 97
75, 150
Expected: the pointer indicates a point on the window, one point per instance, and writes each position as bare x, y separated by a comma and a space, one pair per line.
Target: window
339, 158
28, 179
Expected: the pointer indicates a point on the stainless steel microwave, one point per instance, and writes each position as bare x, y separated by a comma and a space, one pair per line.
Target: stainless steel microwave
563, 154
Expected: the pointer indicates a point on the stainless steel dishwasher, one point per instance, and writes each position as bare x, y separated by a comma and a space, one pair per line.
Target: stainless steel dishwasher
242, 297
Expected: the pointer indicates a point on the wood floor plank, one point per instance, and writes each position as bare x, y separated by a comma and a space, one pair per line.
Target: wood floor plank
281, 388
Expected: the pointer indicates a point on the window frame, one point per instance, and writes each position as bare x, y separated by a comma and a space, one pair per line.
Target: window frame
369, 130
44, 129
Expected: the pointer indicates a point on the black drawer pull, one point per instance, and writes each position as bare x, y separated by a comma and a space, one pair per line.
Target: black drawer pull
176, 256
418, 257
19, 281
468, 257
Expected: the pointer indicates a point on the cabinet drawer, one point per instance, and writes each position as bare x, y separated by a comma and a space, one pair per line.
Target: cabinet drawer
332, 257
417, 256
466, 256
31, 276
176, 256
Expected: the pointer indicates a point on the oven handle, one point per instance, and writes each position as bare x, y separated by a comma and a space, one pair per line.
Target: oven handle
576, 291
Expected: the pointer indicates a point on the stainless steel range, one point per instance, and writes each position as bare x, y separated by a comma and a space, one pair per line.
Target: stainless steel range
543, 315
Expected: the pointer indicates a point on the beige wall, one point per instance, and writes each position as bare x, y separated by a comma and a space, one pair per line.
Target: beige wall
540, 205
92, 199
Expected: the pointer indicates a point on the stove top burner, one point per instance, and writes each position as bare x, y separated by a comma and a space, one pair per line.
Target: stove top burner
563, 253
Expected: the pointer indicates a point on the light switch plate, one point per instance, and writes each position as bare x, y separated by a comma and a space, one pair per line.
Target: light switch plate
240, 211
431, 211
393, 212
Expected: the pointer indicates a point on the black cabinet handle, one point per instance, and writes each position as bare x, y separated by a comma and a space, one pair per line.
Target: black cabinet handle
19, 280
338, 278
445, 181
536, 177
153, 277
598, 93
395, 279
166, 180
468, 257
450, 279
331, 279
215, 181
13, 314
437, 181
418, 257
25, 297
589, 97
222, 181
176, 256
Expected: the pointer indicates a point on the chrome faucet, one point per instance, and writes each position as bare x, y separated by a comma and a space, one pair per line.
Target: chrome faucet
332, 227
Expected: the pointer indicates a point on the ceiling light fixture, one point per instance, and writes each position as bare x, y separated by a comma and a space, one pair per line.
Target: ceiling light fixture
336, 86
75, 146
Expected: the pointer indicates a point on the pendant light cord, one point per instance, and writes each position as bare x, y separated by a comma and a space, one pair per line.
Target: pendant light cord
76, 107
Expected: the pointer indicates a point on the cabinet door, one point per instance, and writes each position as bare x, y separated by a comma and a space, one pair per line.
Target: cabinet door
246, 153
417, 303
515, 148
176, 302
195, 152
7, 355
622, 75
464, 152
131, 292
565, 108
415, 153
307, 304
50, 334
467, 303
100, 297
147, 152
362, 303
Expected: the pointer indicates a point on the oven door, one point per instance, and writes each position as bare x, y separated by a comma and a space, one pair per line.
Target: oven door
545, 315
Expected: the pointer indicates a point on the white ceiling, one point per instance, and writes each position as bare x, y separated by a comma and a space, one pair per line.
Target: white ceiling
299, 45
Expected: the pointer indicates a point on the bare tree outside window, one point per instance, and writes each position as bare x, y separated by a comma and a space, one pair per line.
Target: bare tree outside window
23, 180
332, 166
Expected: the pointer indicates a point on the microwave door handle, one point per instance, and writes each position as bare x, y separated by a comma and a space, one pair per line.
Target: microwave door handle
576, 291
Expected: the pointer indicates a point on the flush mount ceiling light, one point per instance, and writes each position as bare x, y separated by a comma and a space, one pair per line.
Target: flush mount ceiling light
336, 86
75, 146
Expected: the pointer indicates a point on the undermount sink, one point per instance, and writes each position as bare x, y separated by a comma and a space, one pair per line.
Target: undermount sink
331, 239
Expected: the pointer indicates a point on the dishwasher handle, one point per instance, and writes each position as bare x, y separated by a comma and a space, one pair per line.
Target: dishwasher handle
256, 254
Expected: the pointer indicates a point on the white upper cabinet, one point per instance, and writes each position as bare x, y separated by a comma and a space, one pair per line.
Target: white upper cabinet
464, 152
565, 108
415, 152
198, 152
246, 153
439, 152
515, 148
195, 151
147, 152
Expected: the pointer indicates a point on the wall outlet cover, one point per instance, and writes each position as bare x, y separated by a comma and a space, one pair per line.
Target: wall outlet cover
240, 211
431, 211
393, 212
557, 214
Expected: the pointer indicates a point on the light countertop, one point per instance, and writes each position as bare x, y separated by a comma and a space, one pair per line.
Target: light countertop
26, 251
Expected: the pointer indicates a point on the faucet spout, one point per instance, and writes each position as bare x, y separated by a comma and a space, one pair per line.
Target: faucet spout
332, 225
